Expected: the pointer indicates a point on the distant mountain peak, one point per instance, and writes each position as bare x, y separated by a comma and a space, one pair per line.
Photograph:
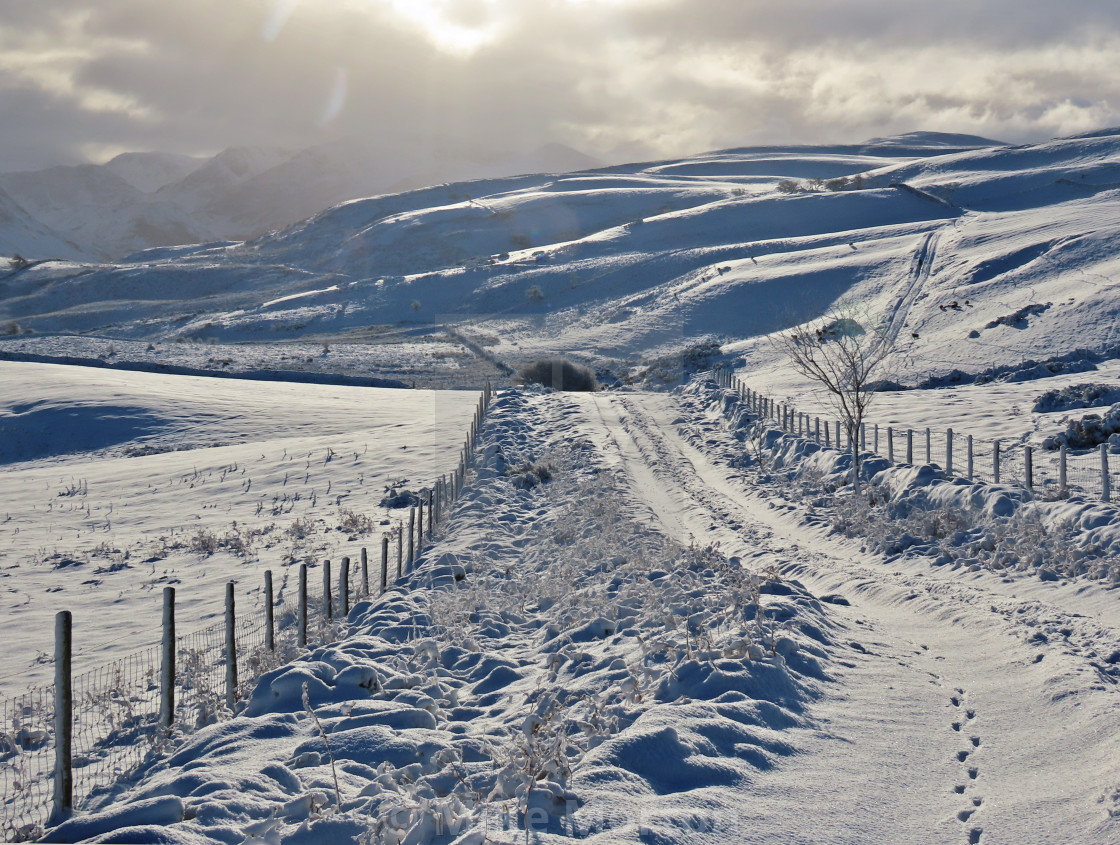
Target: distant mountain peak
150, 171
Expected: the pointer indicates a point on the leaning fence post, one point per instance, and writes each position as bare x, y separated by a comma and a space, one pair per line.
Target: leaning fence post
1028, 466
231, 649
344, 587
890, 444
910, 446
63, 716
948, 451
328, 605
365, 574
970, 467
301, 636
269, 626
1106, 482
167, 664
995, 461
1062, 469
384, 562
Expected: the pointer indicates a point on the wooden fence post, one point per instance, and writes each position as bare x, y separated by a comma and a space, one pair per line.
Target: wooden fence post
400, 548
411, 536
890, 445
839, 443
948, 451
929, 450
970, 465
328, 605
910, 446
63, 716
431, 509
818, 429
365, 574
995, 461
269, 624
876, 449
863, 435
1062, 469
167, 663
384, 562
1028, 466
231, 649
420, 526
344, 587
1106, 481
301, 634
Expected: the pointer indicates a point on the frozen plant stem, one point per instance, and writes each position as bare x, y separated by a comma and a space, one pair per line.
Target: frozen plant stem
326, 742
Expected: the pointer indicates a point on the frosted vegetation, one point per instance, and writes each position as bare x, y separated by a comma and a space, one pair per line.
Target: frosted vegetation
554, 657
918, 511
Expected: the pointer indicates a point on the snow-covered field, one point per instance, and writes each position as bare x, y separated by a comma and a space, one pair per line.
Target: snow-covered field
650, 617
663, 642
116, 484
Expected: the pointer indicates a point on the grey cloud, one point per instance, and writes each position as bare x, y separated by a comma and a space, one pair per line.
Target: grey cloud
662, 77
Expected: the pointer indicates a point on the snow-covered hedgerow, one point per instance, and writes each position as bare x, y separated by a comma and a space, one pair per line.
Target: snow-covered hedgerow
555, 666
918, 510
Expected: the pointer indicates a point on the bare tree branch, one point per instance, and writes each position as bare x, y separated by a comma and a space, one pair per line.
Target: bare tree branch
847, 358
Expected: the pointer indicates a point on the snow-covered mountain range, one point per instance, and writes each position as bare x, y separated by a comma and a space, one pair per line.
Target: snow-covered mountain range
977, 255
141, 200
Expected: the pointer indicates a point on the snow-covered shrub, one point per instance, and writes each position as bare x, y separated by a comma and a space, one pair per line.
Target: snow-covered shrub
558, 373
1077, 396
1088, 432
354, 523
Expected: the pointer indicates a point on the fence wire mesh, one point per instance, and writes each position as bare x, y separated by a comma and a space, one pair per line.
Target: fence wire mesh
992, 461
116, 707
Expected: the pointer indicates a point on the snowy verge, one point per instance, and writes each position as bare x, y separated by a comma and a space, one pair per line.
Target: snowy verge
917, 509
554, 665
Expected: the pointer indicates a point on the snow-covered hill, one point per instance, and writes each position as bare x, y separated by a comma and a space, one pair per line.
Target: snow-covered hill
21, 233
142, 200
977, 256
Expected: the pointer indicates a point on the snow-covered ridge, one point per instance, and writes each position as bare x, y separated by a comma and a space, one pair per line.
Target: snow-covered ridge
978, 258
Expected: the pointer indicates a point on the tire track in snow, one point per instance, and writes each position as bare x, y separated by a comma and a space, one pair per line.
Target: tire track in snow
884, 720
681, 464
921, 266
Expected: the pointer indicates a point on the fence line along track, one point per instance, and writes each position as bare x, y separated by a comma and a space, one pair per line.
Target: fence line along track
64, 743
1046, 474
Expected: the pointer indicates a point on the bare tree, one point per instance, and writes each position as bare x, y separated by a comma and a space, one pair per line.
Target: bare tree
847, 358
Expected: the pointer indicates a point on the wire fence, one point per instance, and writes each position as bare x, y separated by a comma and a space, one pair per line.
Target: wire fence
1046, 473
131, 707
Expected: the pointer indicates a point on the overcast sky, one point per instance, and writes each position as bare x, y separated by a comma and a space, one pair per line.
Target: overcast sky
81, 80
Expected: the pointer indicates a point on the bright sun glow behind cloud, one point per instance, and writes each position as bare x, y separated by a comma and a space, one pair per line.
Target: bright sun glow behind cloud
454, 26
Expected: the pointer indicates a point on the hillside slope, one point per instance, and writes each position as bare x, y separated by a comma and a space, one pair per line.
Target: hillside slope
975, 257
